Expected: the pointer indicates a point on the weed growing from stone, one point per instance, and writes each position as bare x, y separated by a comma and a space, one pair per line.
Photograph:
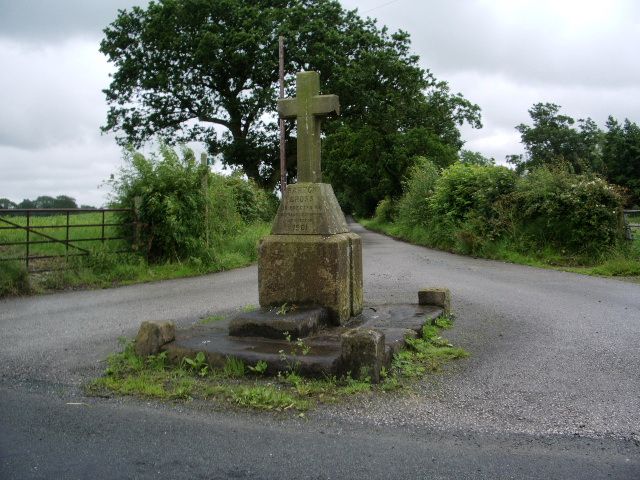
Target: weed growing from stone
211, 319
248, 387
285, 308
427, 353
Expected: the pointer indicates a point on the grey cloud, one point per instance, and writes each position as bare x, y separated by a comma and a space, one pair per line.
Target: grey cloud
52, 95
45, 21
468, 35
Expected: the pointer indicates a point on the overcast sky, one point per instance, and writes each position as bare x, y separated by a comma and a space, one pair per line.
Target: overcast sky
504, 55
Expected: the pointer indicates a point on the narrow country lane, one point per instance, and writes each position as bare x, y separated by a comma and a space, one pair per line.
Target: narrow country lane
551, 390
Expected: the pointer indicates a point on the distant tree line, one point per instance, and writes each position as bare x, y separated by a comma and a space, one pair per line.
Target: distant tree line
43, 201
581, 146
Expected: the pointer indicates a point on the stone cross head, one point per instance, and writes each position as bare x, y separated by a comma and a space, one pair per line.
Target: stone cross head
308, 108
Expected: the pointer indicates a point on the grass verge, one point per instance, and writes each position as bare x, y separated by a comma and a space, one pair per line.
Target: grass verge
623, 261
105, 269
246, 386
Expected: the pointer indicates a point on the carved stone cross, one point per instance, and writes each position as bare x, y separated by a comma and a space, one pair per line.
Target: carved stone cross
308, 108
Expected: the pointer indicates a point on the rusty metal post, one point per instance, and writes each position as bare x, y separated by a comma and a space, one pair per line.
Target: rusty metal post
283, 160
205, 192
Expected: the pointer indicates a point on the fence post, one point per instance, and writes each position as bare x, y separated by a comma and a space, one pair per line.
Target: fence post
102, 232
137, 202
28, 225
66, 243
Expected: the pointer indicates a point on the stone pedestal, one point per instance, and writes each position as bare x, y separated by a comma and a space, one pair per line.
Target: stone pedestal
311, 258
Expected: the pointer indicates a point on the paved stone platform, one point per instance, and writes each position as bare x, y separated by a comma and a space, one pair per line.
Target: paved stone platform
326, 352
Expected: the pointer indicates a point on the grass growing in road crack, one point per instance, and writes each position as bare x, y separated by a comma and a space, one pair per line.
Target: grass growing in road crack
247, 386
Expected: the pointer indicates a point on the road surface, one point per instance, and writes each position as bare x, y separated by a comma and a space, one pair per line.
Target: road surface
551, 390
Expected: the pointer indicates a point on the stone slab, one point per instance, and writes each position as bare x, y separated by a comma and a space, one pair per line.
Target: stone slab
153, 335
309, 209
322, 359
404, 316
363, 353
272, 323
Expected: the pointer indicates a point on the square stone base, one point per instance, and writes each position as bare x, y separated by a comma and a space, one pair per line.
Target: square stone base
312, 270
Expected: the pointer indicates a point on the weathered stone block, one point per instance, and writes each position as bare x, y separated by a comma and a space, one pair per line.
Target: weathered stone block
440, 297
271, 323
312, 270
357, 295
152, 336
363, 353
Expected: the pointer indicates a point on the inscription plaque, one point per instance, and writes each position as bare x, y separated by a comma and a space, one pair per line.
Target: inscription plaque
309, 209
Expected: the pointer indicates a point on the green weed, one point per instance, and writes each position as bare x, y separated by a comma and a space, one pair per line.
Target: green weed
198, 364
211, 319
234, 368
267, 398
260, 368
14, 279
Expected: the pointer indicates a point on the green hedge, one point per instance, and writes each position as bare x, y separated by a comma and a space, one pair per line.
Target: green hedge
475, 209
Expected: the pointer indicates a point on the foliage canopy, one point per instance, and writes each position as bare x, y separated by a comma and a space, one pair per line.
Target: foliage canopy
207, 70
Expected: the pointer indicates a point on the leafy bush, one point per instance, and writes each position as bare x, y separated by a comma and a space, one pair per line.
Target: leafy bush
14, 279
488, 210
413, 207
172, 202
252, 202
386, 210
182, 219
468, 205
577, 214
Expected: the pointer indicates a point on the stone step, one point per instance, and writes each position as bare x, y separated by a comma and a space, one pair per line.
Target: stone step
279, 323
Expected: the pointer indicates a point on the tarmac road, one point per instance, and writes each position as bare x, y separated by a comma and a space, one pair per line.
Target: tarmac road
551, 390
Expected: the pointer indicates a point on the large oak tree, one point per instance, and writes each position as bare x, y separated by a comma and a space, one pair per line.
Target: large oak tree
207, 70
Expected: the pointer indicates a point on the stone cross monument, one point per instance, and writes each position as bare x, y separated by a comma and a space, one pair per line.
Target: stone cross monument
311, 258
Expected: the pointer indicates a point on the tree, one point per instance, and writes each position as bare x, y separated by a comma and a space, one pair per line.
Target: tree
6, 203
188, 69
475, 158
26, 203
64, 201
621, 155
44, 201
553, 139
